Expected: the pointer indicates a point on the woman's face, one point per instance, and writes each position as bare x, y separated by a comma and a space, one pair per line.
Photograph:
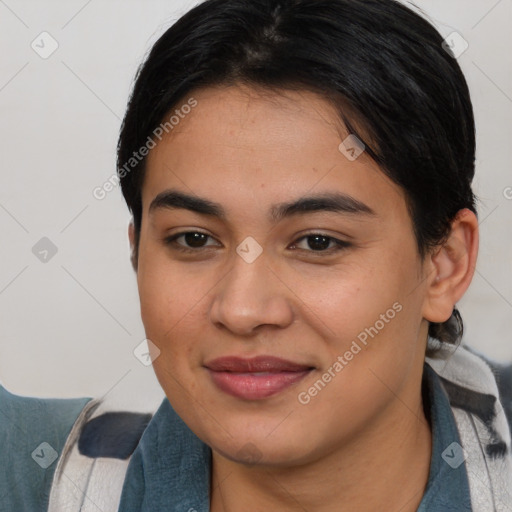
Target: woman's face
333, 287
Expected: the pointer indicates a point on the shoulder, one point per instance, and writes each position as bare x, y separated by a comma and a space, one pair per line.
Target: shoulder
474, 381
33, 432
113, 434
96, 456
41, 435
502, 372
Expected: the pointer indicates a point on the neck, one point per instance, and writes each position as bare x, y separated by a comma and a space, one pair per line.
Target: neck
386, 464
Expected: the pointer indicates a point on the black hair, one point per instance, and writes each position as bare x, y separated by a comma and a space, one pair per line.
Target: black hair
383, 66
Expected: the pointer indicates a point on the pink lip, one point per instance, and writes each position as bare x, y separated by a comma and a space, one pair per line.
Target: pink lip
255, 378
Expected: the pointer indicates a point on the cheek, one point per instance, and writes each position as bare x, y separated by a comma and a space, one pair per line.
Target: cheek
173, 311
344, 302
171, 314
166, 294
369, 304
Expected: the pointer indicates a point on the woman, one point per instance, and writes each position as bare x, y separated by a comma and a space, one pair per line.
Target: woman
299, 174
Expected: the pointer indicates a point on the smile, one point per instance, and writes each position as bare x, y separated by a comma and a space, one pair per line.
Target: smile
256, 378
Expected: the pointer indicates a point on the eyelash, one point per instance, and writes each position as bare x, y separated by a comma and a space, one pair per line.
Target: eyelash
339, 244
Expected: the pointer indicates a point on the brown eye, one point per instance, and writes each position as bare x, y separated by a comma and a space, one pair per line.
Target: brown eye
195, 239
189, 241
317, 242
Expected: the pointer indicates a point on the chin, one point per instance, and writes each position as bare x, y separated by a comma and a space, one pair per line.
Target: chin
262, 450
250, 454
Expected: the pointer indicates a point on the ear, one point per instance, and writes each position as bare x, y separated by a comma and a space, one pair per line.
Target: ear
133, 246
451, 268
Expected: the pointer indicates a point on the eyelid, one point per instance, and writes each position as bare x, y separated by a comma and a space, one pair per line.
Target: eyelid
339, 244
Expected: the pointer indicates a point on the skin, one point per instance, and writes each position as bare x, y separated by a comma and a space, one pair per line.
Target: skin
363, 440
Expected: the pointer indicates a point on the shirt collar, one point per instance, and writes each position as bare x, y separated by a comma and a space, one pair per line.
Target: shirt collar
171, 467
448, 486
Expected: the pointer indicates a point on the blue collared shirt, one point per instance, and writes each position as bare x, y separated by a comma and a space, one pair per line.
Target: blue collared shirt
170, 468
32, 434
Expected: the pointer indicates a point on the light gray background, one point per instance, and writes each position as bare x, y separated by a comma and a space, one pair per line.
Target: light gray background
68, 327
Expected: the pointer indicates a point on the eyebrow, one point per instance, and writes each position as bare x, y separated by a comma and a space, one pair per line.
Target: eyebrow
331, 202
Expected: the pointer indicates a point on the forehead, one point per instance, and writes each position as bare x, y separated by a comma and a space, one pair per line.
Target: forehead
261, 147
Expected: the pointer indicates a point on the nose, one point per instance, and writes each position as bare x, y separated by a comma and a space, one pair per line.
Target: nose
249, 296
